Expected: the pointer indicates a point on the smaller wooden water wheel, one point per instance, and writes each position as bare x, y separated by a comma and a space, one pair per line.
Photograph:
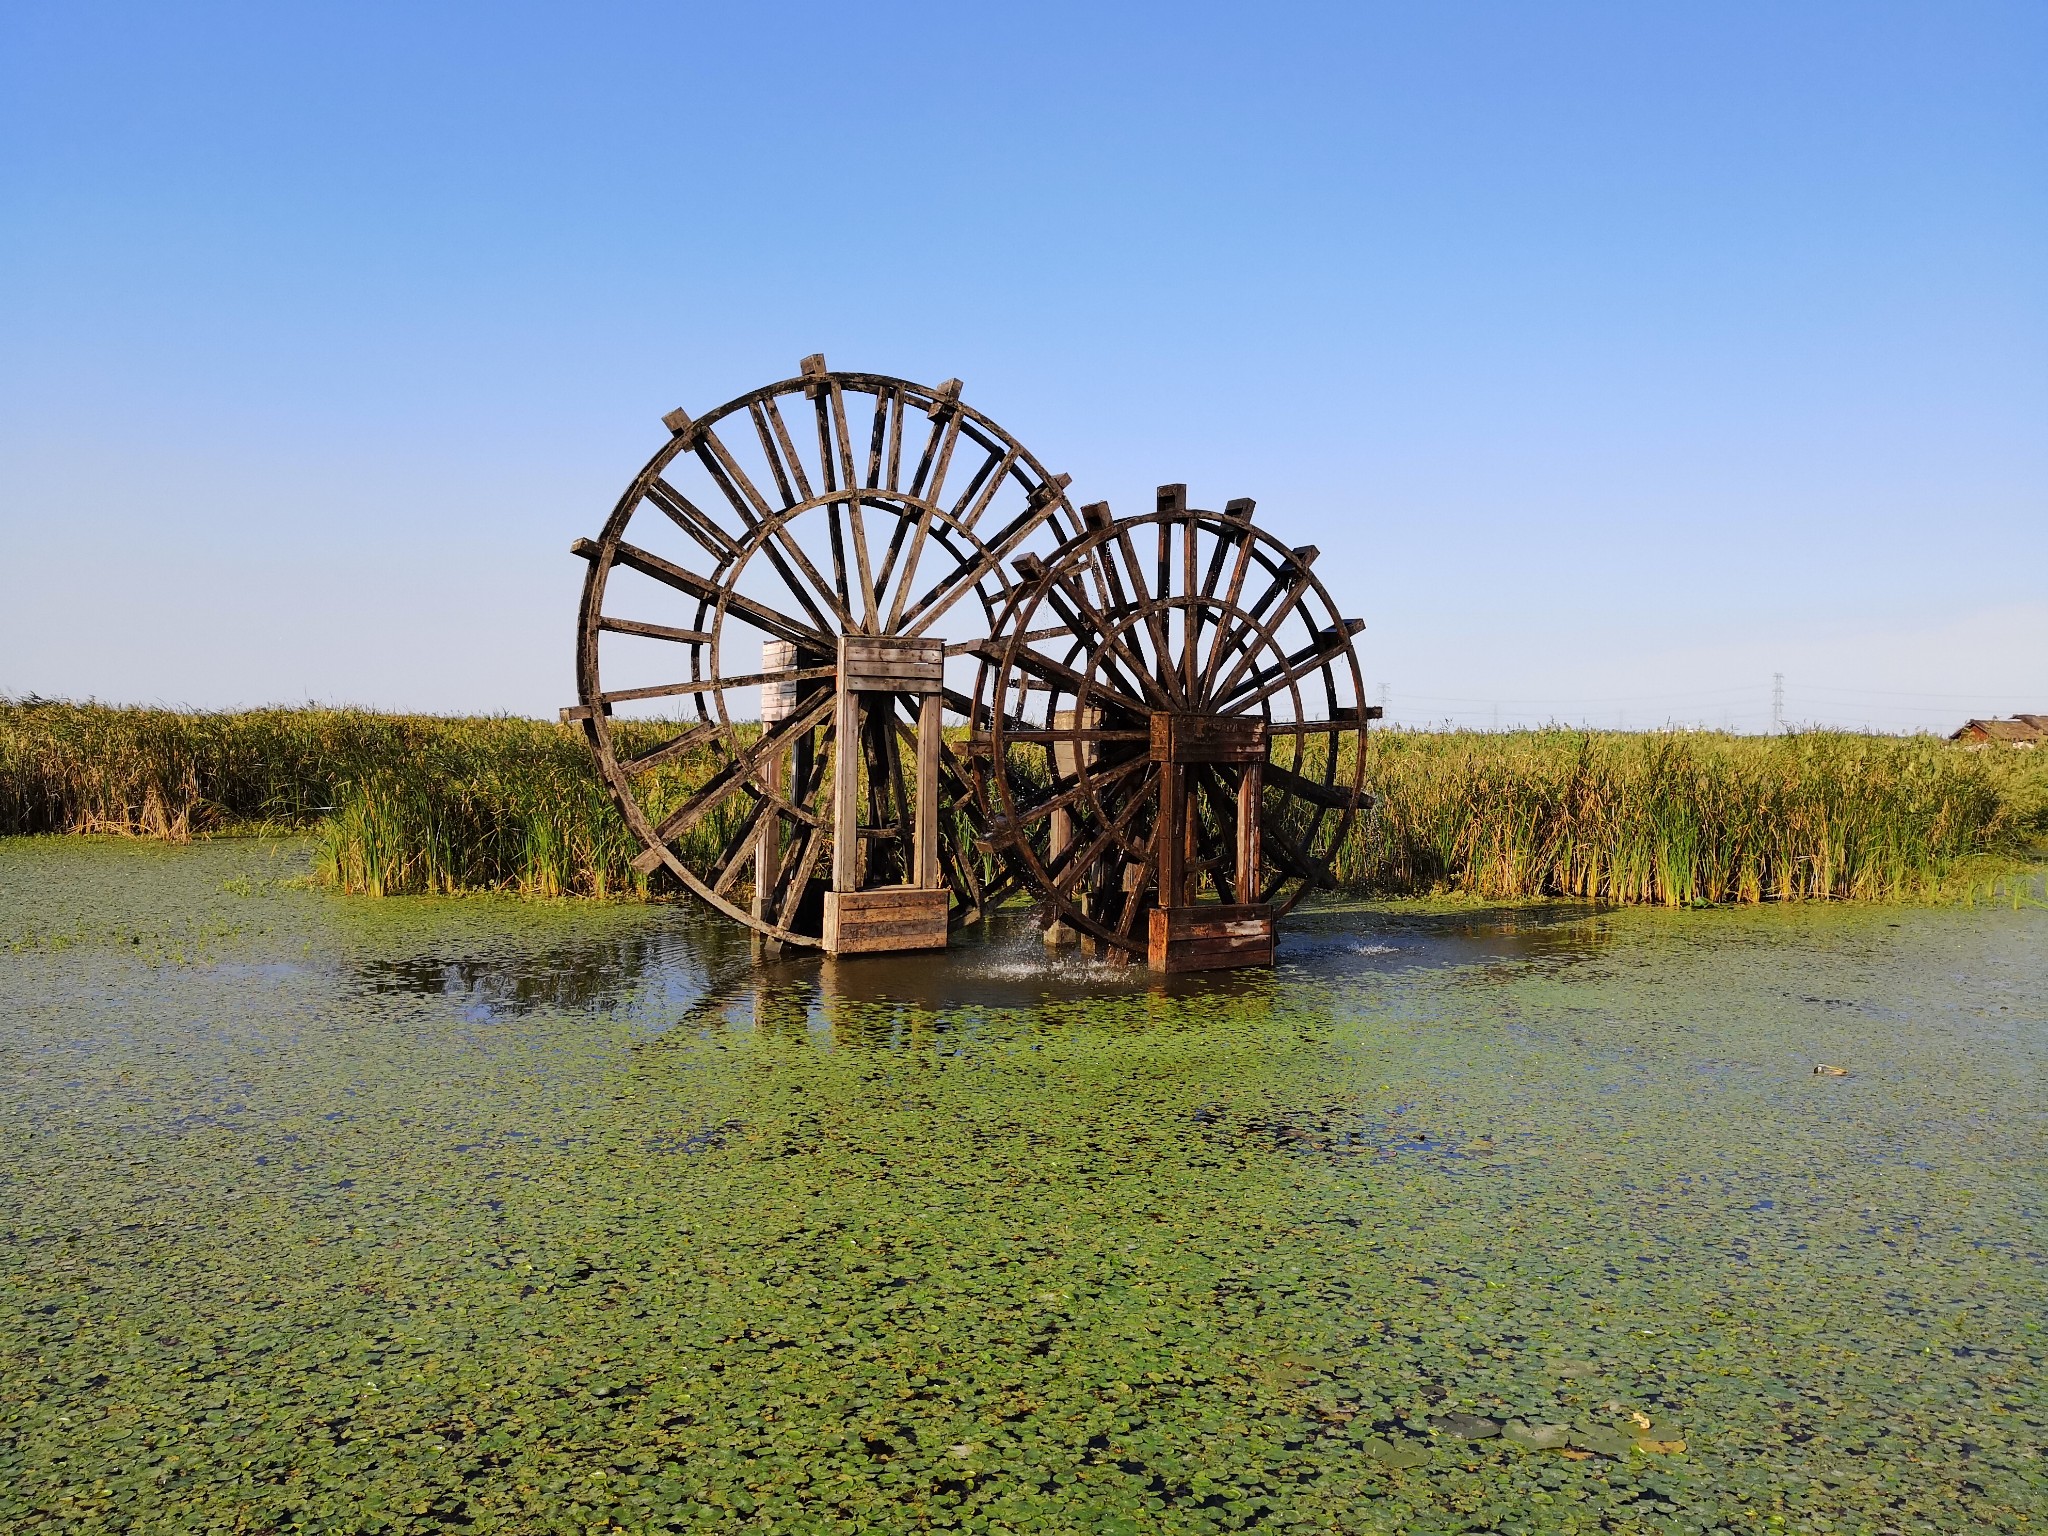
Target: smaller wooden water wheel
1168, 734
805, 546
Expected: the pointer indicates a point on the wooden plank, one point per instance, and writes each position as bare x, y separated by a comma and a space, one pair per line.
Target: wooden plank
1207, 738
890, 664
908, 676
1208, 938
1209, 920
889, 920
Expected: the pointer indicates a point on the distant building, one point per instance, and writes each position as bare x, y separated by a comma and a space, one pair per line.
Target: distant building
2019, 731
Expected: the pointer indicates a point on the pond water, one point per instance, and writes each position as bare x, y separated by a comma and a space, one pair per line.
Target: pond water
342, 1215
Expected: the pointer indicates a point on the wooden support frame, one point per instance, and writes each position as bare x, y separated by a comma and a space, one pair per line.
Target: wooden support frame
874, 671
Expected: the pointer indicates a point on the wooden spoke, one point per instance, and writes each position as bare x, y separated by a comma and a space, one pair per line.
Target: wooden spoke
686, 515
1231, 628
720, 684
1291, 856
670, 750
1038, 664
930, 474
1070, 601
654, 631
877, 437
1330, 796
1267, 681
798, 873
946, 592
760, 615
1293, 588
1092, 786
1141, 599
734, 775
895, 438
740, 848
781, 451
1078, 866
770, 530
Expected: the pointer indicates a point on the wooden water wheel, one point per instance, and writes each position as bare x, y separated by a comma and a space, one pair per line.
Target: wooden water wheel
801, 554
1168, 734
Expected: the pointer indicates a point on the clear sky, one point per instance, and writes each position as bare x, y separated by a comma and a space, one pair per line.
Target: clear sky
1618, 356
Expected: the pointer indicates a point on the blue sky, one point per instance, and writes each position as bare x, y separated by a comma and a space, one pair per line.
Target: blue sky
1617, 356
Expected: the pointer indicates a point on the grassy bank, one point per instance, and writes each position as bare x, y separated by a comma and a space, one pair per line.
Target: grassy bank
425, 804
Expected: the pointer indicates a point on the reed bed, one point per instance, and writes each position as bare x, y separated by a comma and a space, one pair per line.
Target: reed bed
421, 804
1687, 817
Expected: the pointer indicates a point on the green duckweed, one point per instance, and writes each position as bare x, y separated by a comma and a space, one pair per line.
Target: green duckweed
433, 1213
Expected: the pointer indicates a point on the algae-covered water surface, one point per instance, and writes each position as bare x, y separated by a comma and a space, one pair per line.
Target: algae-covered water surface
335, 1215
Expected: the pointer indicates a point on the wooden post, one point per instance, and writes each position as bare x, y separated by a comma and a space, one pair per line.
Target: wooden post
1171, 837
778, 703
1250, 793
846, 791
768, 838
929, 710
1068, 759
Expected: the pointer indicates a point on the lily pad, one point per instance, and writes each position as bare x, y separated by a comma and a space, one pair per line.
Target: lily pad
1602, 1440
1464, 1426
1396, 1453
1537, 1437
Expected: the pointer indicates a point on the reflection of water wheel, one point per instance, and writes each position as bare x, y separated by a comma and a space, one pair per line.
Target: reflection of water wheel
1150, 731
808, 562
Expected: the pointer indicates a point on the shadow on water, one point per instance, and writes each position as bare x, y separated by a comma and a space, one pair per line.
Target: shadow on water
688, 968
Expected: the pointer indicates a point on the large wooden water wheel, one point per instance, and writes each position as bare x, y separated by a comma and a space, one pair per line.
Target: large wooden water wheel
1168, 733
802, 555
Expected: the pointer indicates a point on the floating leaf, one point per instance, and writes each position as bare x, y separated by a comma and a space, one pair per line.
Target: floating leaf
1602, 1439
1398, 1453
1464, 1426
1537, 1437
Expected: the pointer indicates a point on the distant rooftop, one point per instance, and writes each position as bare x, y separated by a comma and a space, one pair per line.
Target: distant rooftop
2019, 731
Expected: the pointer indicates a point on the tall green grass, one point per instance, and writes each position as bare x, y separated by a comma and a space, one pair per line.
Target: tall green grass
401, 804
1681, 817
505, 805
421, 804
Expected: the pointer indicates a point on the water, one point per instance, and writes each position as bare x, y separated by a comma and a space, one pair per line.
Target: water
409, 1214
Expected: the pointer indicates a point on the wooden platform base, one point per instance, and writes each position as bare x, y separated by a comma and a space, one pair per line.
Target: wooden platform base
880, 922
1210, 938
